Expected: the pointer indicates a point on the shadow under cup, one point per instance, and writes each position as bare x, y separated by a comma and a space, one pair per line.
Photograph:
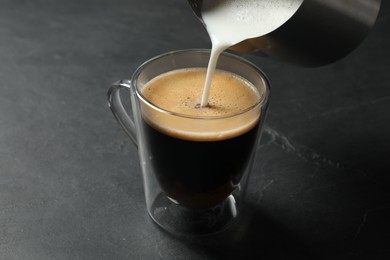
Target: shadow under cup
192, 186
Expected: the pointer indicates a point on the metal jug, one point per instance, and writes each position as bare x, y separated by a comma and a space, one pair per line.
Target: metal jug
320, 32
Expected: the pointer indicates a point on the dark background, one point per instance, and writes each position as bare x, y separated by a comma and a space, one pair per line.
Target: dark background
70, 182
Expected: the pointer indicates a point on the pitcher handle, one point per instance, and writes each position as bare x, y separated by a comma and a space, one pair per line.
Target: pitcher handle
115, 104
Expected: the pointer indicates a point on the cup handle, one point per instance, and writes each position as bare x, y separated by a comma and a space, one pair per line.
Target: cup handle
116, 106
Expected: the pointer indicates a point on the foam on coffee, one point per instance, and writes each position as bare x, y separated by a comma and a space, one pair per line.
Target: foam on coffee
179, 91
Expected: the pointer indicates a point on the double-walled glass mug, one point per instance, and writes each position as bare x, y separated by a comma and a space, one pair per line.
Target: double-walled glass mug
195, 168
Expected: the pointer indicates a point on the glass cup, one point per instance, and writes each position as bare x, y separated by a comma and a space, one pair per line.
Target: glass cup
192, 188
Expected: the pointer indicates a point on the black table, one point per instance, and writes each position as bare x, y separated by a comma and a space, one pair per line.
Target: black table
70, 182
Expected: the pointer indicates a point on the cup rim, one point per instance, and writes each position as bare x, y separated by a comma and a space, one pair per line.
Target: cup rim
262, 101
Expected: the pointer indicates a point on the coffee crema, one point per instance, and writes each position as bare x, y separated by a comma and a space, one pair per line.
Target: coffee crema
179, 92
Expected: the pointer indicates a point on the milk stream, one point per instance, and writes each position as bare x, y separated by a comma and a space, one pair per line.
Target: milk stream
229, 22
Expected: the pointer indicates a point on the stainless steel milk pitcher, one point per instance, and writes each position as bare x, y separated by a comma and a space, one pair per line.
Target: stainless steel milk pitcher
320, 32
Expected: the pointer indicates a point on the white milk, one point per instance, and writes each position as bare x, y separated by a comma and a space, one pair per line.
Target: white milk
229, 22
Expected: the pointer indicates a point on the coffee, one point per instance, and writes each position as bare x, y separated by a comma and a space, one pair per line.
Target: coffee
199, 154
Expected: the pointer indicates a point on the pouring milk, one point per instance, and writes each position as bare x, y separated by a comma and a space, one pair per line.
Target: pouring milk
229, 22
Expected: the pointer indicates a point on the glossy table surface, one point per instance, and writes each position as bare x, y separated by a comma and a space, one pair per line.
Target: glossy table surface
70, 182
